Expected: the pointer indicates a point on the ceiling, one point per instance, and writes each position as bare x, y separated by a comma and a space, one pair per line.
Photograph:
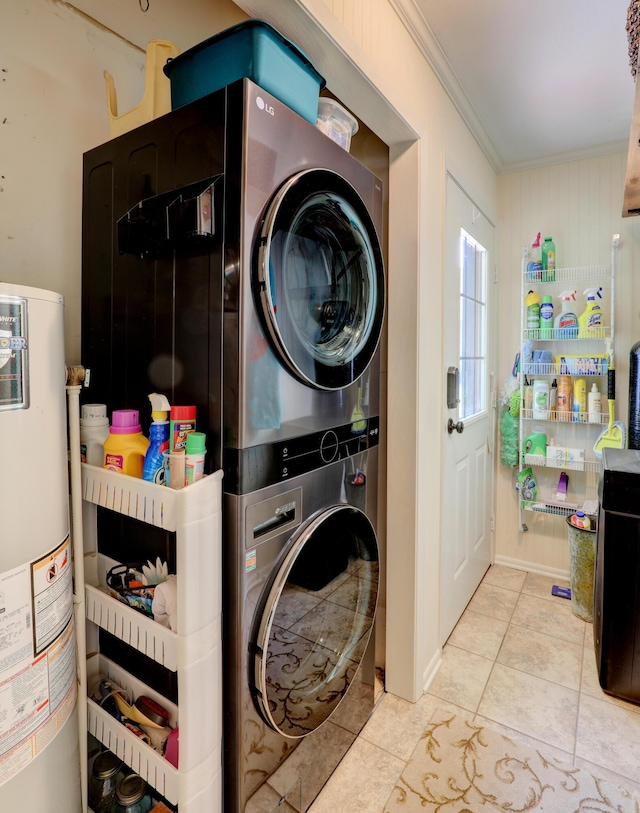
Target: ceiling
538, 81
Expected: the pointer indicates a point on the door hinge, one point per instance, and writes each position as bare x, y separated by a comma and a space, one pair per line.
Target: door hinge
495, 273
493, 522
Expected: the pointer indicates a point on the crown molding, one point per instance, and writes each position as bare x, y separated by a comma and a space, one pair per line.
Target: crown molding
424, 38
566, 157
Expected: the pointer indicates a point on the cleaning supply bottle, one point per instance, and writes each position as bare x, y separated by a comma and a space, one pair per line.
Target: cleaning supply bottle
581, 520
566, 322
548, 260
534, 266
182, 421
540, 399
125, 447
527, 404
546, 318
153, 468
194, 460
94, 430
553, 400
564, 398
591, 322
532, 303
579, 399
594, 403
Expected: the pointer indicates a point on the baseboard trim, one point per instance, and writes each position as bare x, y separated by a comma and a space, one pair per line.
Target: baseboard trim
432, 670
532, 567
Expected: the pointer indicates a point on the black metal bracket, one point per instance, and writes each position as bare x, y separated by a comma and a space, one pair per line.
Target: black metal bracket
183, 218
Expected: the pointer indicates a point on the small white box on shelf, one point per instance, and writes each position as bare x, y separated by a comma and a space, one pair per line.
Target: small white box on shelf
560, 457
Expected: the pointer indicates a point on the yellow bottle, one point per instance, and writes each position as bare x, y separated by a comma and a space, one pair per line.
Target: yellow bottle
532, 304
590, 321
579, 399
125, 447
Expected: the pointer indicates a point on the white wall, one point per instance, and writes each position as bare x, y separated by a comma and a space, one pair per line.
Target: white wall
579, 203
54, 108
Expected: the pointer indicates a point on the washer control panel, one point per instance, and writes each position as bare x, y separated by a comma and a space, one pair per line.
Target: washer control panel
302, 454
248, 470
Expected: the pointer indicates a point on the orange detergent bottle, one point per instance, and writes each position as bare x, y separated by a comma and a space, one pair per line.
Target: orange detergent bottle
125, 446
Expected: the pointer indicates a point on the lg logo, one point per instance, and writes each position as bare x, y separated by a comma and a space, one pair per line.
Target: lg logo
264, 106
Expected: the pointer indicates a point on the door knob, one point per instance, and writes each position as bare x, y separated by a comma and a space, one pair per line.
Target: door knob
458, 427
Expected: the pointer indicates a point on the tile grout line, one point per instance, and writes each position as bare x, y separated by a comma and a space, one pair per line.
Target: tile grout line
495, 659
575, 733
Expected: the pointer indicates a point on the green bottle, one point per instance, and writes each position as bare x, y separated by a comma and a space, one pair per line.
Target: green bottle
546, 318
548, 260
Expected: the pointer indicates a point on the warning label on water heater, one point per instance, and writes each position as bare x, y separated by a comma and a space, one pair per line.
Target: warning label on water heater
37, 657
14, 391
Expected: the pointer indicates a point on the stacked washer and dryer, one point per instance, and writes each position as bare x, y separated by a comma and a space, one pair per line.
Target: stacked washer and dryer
232, 260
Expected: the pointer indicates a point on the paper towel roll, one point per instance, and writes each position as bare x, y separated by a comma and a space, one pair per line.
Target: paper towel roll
165, 603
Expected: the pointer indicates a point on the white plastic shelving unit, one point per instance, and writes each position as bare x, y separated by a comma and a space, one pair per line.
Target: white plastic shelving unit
193, 651
568, 430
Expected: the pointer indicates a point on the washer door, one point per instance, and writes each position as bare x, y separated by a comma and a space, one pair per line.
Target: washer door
317, 617
321, 279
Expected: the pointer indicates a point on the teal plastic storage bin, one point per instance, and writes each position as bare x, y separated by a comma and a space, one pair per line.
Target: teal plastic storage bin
253, 49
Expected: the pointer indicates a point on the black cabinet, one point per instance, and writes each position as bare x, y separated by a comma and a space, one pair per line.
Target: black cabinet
616, 612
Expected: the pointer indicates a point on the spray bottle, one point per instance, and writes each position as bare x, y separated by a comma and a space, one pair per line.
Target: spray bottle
566, 322
590, 322
153, 469
534, 266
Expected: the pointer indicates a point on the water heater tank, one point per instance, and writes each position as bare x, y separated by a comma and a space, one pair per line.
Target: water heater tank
39, 752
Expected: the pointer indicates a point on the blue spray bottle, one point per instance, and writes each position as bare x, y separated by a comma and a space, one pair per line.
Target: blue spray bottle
153, 469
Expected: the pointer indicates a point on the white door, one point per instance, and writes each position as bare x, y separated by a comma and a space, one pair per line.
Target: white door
468, 469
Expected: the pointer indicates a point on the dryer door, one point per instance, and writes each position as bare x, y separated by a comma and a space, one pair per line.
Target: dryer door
317, 617
320, 279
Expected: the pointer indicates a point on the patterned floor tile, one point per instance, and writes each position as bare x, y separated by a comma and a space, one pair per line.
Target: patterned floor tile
532, 705
508, 577
552, 618
494, 601
461, 678
541, 655
479, 634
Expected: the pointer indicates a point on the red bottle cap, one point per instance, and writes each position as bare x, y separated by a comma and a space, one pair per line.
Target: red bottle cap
183, 413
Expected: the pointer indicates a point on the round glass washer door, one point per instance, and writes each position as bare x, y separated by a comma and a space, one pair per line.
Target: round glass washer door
320, 279
315, 620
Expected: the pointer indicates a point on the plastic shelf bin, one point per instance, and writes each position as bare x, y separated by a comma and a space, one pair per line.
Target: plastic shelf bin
252, 49
336, 122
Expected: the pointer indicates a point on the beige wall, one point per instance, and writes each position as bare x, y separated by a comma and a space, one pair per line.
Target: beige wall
579, 203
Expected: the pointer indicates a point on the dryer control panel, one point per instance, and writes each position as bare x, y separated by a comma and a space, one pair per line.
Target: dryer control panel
248, 470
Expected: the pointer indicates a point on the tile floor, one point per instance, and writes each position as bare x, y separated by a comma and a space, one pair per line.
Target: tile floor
518, 661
